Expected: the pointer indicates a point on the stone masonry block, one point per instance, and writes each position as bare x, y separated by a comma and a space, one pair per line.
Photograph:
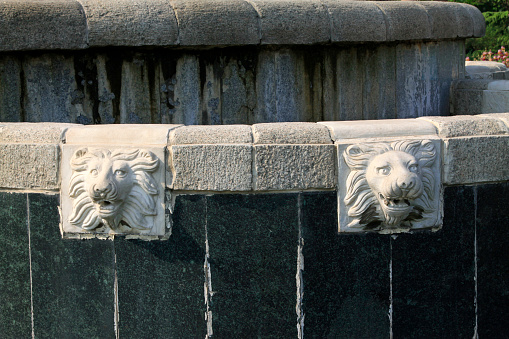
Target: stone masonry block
211, 167
467, 101
356, 21
502, 116
212, 134
37, 133
291, 133
293, 21
459, 126
476, 159
216, 22
130, 23
42, 24
478, 22
495, 102
287, 167
443, 17
405, 21
29, 166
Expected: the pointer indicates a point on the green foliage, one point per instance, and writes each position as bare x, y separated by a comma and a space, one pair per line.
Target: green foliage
487, 5
497, 33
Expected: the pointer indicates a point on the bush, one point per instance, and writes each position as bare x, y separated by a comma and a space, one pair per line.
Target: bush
497, 34
487, 5
500, 56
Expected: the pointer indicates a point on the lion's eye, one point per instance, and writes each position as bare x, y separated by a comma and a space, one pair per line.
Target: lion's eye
120, 173
413, 168
94, 172
383, 170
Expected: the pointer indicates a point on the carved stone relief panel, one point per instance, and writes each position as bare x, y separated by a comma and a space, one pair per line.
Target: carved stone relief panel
116, 190
390, 186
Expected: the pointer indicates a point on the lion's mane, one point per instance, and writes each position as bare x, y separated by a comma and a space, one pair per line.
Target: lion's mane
140, 205
363, 206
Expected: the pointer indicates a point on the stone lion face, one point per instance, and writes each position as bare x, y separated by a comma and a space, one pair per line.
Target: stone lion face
395, 179
108, 183
115, 189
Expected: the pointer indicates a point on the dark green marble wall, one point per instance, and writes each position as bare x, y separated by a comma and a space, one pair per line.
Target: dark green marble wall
445, 284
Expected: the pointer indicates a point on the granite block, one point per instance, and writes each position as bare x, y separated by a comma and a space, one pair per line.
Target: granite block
15, 293
253, 262
492, 222
433, 279
346, 277
160, 283
72, 280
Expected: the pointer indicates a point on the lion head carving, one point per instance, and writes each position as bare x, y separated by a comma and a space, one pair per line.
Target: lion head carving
390, 185
113, 189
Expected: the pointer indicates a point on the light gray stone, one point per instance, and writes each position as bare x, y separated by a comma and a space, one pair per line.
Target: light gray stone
473, 67
216, 22
462, 126
42, 24
221, 134
29, 166
406, 21
294, 167
211, 167
33, 133
495, 102
291, 133
364, 129
130, 23
356, 21
293, 21
470, 160
504, 117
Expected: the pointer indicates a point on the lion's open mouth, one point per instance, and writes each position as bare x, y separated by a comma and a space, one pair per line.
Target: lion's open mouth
106, 207
394, 204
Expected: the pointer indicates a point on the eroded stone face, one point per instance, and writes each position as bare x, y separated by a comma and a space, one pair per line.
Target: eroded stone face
113, 191
390, 187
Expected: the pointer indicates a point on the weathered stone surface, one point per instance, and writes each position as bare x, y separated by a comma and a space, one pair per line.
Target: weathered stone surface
211, 167
443, 18
406, 21
10, 89
293, 21
473, 67
341, 130
291, 133
473, 84
476, 159
42, 24
501, 116
495, 102
36, 133
478, 23
462, 126
29, 166
287, 167
124, 134
356, 21
216, 22
187, 91
467, 102
223, 134
130, 22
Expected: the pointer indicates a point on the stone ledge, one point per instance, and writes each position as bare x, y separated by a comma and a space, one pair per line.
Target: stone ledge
480, 96
80, 24
258, 158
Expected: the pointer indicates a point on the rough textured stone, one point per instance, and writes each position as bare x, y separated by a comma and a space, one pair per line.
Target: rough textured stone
341, 130
475, 160
473, 84
406, 21
286, 167
42, 24
462, 126
15, 289
291, 133
211, 167
502, 116
225, 134
478, 22
29, 166
216, 22
28, 133
293, 21
187, 91
495, 102
356, 21
443, 19
10, 89
467, 102
130, 22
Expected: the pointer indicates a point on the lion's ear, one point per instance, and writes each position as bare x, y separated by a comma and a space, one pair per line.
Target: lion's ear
79, 158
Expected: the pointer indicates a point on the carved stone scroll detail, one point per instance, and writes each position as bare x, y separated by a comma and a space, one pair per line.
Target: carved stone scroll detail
391, 185
113, 190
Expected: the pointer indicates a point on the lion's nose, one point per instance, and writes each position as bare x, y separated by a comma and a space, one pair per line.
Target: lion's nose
101, 189
406, 183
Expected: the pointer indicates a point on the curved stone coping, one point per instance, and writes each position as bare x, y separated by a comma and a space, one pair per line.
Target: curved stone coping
81, 24
258, 158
